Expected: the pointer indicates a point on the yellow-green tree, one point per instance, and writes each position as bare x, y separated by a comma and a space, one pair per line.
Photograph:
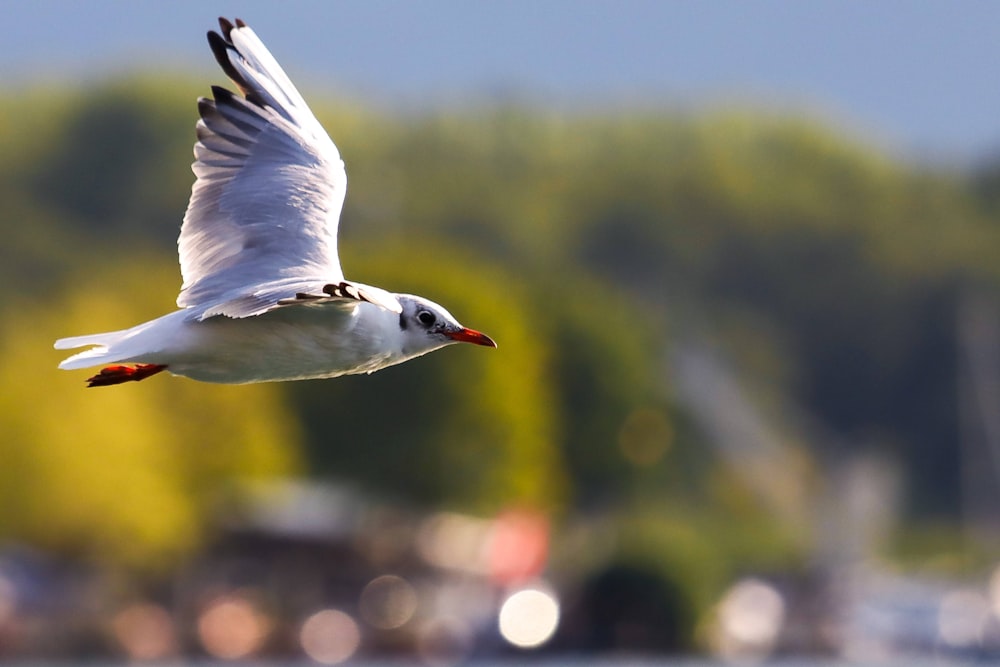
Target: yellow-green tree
467, 428
132, 474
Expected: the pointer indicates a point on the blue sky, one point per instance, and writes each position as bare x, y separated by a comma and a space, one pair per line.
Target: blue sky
919, 78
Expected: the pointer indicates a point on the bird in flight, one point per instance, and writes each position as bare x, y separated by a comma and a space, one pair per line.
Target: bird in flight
263, 296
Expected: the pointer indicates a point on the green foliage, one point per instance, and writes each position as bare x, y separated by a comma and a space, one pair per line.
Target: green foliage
131, 477
465, 427
574, 241
608, 362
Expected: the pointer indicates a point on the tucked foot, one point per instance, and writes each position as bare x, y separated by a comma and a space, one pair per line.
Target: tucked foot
118, 374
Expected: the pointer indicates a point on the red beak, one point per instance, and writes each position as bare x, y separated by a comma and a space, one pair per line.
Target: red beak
466, 335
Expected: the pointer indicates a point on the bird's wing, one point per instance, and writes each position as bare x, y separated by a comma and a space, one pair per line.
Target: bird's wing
262, 220
296, 293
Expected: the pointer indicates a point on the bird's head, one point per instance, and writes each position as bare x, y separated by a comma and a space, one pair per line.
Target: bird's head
427, 326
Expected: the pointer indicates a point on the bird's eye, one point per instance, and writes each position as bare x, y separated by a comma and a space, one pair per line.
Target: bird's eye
426, 317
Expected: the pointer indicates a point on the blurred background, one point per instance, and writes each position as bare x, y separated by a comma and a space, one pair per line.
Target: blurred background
743, 264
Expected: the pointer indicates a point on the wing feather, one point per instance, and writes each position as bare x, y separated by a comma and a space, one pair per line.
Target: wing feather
263, 216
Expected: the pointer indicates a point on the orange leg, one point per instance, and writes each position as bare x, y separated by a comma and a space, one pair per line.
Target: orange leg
118, 374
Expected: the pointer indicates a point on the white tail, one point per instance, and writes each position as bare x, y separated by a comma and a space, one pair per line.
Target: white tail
140, 343
99, 354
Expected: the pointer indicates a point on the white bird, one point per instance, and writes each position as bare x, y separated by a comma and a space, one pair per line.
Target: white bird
263, 295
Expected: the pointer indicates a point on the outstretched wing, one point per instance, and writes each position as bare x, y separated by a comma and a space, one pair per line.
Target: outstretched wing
262, 221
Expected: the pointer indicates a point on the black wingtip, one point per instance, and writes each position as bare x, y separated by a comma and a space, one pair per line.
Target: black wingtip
226, 26
222, 95
206, 107
240, 23
219, 46
220, 49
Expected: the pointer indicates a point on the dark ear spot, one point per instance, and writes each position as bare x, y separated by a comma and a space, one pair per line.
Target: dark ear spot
402, 322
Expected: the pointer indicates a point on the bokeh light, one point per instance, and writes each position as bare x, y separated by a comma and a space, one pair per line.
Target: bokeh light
145, 632
231, 627
529, 617
330, 636
388, 602
518, 547
750, 618
453, 541
645, 437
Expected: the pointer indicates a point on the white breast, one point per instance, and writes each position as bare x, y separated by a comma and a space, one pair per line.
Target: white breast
302, 342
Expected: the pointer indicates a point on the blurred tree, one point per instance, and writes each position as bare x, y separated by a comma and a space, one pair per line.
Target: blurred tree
468, 428
829, 269
133, 475
608, 363
849, 262
119, 162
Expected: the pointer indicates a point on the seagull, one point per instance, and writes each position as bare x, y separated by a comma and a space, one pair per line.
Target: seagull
263, 297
